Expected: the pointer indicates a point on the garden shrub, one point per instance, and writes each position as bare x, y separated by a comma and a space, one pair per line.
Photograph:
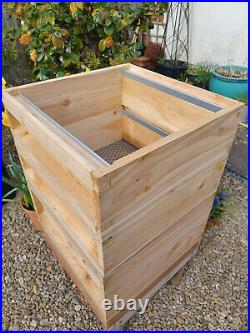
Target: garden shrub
62, 38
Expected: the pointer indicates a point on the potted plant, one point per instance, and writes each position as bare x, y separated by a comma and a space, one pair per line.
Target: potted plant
197, 75
18, 182
175, 41
229, 81
172, 68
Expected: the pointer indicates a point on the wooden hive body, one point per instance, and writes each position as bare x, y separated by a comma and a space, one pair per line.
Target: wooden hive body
122, 228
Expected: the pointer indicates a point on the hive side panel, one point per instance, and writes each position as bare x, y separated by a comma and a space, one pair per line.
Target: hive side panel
67, 206
75, 98
73, 264
189, 89
140, 273
137, 134
129, 181
162, 209
139, 200
98, 131
77, 158
159, 108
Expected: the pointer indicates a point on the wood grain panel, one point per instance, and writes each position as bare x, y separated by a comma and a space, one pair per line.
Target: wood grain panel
98, 131
159, 108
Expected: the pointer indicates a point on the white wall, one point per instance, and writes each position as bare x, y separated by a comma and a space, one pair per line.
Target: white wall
218, 33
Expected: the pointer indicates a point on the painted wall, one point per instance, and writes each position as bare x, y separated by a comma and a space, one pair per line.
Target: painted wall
218, 33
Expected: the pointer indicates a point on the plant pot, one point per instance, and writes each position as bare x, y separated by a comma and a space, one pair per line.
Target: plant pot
191, 76
172, 69
143, 62
32, 215
228, 86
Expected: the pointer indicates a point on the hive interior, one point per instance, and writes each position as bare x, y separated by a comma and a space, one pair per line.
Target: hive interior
114, 114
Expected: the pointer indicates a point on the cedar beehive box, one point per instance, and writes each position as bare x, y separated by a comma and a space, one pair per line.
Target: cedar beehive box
123, 165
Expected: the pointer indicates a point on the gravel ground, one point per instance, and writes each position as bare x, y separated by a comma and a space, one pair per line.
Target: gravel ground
212, 294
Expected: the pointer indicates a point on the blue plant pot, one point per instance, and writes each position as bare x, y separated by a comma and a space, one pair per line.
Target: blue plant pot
230, 87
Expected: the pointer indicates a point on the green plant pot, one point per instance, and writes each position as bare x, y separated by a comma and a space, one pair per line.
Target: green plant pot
228, 86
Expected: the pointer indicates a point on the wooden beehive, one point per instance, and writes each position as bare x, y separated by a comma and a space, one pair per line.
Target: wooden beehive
124, 226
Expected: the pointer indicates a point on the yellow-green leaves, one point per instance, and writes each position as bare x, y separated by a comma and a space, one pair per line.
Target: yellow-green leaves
105, 43
57, 40
102, 45
74, 6
3, 83
5, 120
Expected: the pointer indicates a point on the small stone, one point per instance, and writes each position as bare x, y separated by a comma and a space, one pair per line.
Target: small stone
180, 320
78, 307
33, 323
44, 322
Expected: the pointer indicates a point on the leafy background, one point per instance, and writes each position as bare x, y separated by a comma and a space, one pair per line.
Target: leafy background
62, 38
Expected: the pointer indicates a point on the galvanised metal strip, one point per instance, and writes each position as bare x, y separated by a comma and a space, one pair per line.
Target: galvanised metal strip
173, 92
144, 123
61, 128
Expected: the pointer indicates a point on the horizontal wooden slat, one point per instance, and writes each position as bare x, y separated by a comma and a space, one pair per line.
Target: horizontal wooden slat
70, 99
80, 200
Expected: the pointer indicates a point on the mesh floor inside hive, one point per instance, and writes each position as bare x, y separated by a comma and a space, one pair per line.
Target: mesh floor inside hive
115, 150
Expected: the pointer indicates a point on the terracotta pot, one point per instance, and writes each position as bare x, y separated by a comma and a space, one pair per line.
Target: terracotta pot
32, 215
143, 62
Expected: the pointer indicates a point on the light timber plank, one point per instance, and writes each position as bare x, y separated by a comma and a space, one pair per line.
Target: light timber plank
142, 223
98, 131
72, 264
78, 160
143, 270
165, 111
137, 134
187, 88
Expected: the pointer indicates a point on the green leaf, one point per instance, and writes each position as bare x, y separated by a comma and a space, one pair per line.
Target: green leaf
42, 75
66, 60
98, 17
74, 58
102, 45
40, 57
68, 19
58, 34
90, 25
60, 74
109, 30
108, 21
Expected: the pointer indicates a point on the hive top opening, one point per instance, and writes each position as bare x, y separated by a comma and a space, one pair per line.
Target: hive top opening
118, 105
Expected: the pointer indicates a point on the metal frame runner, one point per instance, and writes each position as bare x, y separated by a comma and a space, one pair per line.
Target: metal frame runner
176, 93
